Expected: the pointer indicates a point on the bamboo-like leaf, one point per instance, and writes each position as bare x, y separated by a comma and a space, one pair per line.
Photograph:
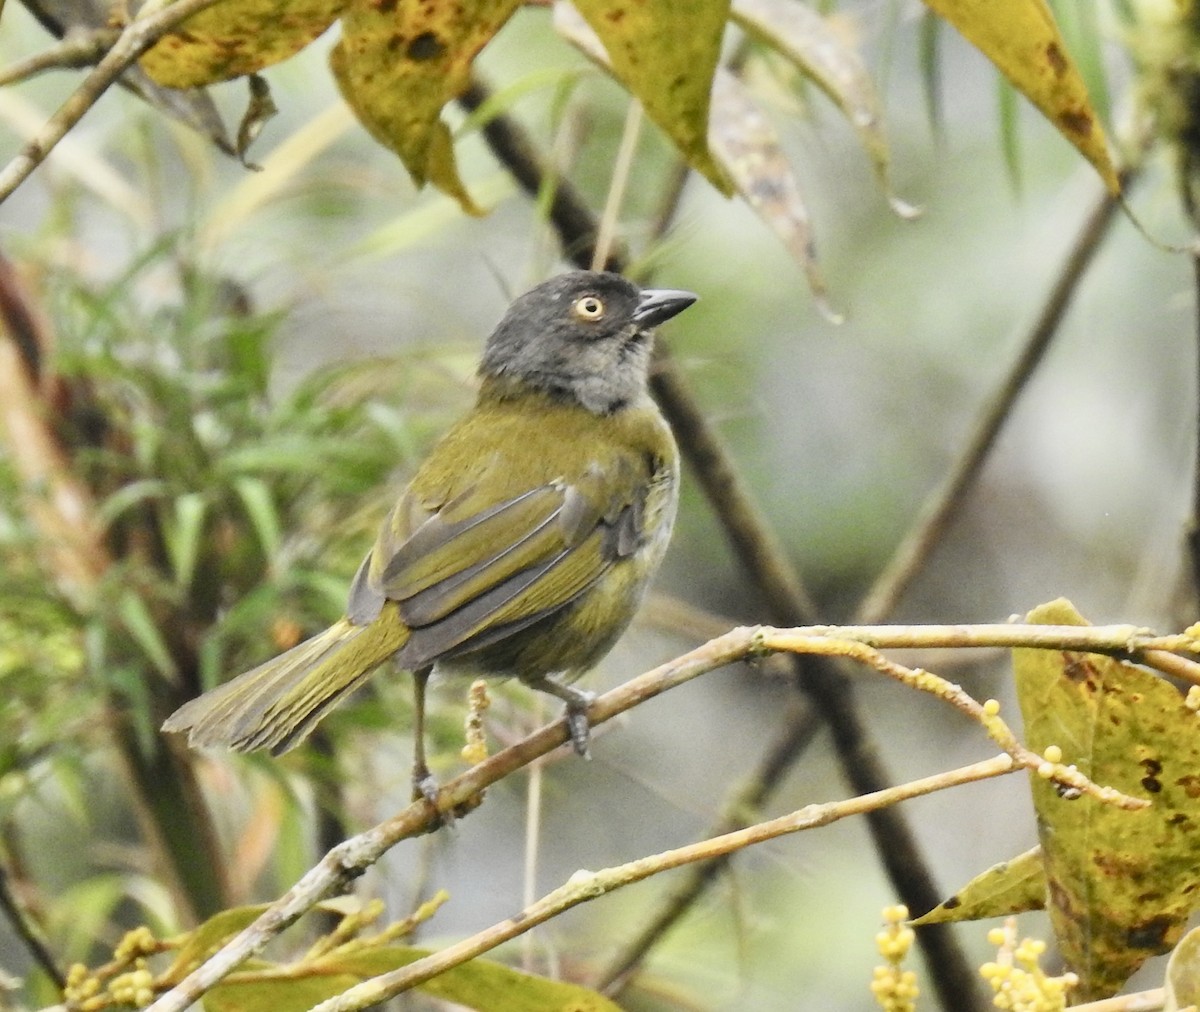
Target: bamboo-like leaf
260, 508
237, 37
804, 37
747, 146
665, 53
398, 64
184, 533
1021, 38
140, 625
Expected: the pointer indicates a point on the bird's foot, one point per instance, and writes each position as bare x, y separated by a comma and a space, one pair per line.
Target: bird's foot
425, 788
578, 722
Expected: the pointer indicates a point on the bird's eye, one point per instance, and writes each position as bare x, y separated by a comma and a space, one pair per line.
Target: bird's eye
589, 308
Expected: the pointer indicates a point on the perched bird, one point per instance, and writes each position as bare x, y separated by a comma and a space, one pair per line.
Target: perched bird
523, 544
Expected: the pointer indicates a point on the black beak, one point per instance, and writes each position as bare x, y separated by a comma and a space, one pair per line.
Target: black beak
658, 304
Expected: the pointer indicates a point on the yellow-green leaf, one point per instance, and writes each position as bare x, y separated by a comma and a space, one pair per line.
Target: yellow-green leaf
237, 37
1021, 38
399, 63
1182, 984
804, 37
479, 984
202, 941
1011, 887
1121, 884
665, 53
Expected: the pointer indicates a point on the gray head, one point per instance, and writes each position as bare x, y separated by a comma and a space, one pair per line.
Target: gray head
583, 336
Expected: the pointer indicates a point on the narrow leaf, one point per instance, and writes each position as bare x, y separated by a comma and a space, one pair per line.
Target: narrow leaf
747, 146
1011, 887
804, 37
1022, 40
136, 618
260, 508
183, 534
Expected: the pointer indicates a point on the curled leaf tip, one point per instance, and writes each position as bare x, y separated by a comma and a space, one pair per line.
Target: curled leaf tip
825, 308
903, 209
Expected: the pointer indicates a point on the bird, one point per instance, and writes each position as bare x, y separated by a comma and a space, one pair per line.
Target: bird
523, 544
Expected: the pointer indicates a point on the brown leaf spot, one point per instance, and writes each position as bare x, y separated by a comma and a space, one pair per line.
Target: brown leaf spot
1077, 669
385, 6
951, 903
1076, 121
1151, 784
426, 46
1054, 56
616, 16
1190, 785
1151, 935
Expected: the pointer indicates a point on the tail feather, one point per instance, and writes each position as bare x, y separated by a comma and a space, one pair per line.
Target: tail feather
277, 704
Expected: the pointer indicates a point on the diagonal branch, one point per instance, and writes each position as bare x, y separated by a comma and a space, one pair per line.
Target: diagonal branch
151, 24
349, 859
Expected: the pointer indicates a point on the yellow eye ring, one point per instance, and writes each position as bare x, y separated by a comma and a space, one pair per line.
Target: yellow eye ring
589, 308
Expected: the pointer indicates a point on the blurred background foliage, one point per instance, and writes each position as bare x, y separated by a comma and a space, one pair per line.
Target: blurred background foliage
249, 365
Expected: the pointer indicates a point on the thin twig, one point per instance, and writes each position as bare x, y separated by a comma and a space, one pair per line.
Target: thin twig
151, 24
585, 886
747, 798
1193, 532
78, 49
947, 501
24, 928
349, 859
622, 165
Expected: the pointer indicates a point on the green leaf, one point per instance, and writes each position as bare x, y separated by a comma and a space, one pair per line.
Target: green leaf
237, 37
260, 508
1011, 887
1121, 884
139, 623
205, 939
184, 534
128, 496
479, 984
399, 63
665, 53
1182, 984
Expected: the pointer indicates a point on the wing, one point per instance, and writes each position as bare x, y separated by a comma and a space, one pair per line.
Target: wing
472, 572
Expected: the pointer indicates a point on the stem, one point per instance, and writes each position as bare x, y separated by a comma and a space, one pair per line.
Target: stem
349, 859
584, 886
150, 25
25, 930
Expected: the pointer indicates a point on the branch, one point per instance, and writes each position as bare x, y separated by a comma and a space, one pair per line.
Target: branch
25, 930
153, 22
349, 859
584, 886
78, 49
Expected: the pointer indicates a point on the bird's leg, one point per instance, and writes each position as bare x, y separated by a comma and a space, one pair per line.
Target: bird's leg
424, 786
577, 701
